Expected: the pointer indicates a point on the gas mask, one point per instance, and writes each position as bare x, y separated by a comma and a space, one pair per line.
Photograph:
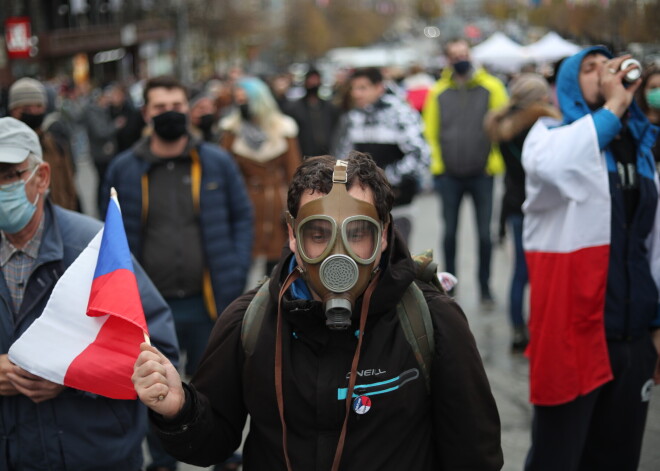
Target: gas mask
338, 239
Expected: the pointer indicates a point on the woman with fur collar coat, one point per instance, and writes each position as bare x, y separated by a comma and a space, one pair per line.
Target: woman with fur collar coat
264, 143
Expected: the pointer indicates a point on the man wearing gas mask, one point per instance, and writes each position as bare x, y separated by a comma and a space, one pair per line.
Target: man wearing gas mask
331, 381
188, 218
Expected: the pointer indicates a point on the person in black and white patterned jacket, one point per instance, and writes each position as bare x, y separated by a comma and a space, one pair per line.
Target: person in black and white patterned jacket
386, 127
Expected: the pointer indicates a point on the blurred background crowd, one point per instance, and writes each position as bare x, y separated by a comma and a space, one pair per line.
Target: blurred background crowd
93, 56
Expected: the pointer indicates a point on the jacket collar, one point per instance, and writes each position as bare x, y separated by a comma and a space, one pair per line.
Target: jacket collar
379, 104
143, 151
51, 251
641, 128
52, 247
477, 76
51, 254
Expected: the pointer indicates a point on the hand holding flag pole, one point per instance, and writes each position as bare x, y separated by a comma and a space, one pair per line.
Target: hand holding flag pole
158, 383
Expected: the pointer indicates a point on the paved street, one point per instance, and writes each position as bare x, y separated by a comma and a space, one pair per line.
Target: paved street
507, 373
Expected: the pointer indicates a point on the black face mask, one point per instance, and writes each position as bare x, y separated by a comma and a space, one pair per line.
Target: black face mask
33, 120
313, 91
206, 122
462, 67
114, 110
244, 109
170, 125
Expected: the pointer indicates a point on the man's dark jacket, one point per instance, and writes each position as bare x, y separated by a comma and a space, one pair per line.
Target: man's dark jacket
225, 215
317, 122
455, 427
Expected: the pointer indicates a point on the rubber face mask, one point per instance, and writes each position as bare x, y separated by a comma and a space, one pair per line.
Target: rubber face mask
338, 239
15, 208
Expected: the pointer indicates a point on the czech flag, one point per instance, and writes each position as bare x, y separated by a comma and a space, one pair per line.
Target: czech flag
89, 335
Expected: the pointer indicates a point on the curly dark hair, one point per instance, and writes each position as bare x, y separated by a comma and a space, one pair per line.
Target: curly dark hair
315, 173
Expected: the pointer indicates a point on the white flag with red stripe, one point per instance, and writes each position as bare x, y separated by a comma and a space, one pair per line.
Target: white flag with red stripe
567, 242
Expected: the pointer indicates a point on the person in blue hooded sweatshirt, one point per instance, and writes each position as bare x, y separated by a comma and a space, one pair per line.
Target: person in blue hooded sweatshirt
592, 243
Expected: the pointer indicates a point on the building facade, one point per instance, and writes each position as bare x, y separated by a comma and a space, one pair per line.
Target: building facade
87, 39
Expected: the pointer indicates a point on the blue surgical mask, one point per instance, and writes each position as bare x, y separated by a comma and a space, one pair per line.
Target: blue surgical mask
653, 98
15, 208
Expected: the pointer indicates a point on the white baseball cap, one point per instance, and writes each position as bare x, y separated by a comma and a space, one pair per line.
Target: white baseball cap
17, 141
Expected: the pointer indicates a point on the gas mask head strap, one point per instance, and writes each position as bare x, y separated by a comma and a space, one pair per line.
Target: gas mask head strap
340, 173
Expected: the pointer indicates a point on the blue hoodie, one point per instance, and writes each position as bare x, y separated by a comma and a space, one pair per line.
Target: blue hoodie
631, 304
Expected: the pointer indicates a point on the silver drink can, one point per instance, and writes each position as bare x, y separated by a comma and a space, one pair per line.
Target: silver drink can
633, 74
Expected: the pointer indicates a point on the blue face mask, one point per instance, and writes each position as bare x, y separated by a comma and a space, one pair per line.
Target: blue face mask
653, 98
15, 208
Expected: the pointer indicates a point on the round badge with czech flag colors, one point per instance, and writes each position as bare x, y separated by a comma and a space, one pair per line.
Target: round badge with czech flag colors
362, 405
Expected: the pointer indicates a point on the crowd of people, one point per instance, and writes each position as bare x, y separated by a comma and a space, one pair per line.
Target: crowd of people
318, 188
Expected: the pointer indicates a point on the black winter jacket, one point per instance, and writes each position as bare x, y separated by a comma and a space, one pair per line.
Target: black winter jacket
455, 427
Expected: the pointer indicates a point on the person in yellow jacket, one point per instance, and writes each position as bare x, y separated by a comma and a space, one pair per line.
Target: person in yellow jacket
463, 160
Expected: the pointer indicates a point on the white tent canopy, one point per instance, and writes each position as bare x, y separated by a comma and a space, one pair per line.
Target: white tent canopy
550, 48
374, 57
500, 53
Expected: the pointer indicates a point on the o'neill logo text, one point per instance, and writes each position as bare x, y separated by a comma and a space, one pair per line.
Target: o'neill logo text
373, 372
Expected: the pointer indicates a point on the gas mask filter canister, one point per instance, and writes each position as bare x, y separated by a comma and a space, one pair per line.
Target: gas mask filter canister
338, 238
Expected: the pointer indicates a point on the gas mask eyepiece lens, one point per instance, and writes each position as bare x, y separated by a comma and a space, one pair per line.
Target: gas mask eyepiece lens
317, 236
361, 236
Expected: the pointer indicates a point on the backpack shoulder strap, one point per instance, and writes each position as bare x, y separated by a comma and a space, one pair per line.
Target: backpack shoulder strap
415, 320
253, 318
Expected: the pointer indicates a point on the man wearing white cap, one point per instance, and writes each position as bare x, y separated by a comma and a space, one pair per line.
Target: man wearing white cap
45, 425
27, 102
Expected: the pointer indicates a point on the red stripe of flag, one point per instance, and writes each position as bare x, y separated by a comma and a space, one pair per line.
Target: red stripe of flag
568, 350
